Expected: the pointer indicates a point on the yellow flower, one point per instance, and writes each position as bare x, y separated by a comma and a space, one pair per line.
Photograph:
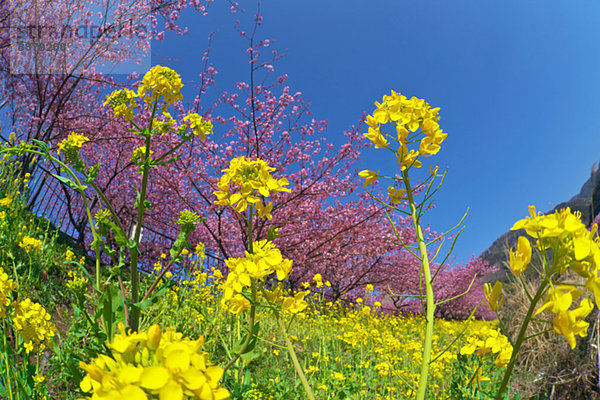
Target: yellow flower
69, 255
34, 325
519, 259
375, 136
30, 244
494, 296
122, 102
369, 288
161, 364
243, 179
237, 304
571, 323
165, 125
199, 126
368, 176
295, 304
265, 261
408, 159
6, 201
138, 155
395, 194
200, 251
559, 299
161, 81
338, 376
6, 286
77, 283
318, 279
488, 341
71, 145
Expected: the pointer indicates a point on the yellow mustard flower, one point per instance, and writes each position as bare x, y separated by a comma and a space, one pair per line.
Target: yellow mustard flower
489, 341
571, 323
30, 244
375, 136
199, 126
368, 176
138, 155
165, 124
122, 102
71, 145
241, 182
6, 287
69, 255
160, 364
295, 304
494, 296
161, 81
6, 201
318, 279
408, 115
559, 299
521, 257
33, 324
200, 251
395, 195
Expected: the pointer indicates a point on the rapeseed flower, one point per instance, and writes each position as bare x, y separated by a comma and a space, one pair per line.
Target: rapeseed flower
241, 182
494, 296
559, 299
199, 126
33, 324
520, 258
71, 145
265, 261
6, 287
6, 201
161, 81
408, 115
368, 176
153, 365
571, 323
491, 342
122, 102
30, 244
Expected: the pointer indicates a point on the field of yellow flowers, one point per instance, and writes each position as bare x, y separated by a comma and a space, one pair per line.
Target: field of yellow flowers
73, 326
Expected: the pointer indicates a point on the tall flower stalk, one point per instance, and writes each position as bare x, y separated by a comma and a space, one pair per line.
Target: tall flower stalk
410, 118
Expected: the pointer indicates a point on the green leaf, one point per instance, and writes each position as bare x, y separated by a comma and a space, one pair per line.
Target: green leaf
143, 305
252, 342
69, 183
42, 145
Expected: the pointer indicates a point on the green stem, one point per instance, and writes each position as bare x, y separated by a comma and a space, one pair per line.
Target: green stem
5, 356
135, 277
426, 272
290, 348
250, 331
521, 338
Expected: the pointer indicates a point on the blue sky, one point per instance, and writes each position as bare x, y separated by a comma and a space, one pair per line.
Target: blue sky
517, 83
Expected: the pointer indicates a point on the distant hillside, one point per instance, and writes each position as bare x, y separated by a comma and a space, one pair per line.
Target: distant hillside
495, 255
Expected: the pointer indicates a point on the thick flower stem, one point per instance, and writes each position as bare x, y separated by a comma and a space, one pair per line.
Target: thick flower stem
295, 361
252, 303
521, 338
430, 309
250, 331
135, 277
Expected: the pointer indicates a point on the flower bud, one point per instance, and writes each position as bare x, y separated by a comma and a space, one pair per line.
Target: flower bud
154, 334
